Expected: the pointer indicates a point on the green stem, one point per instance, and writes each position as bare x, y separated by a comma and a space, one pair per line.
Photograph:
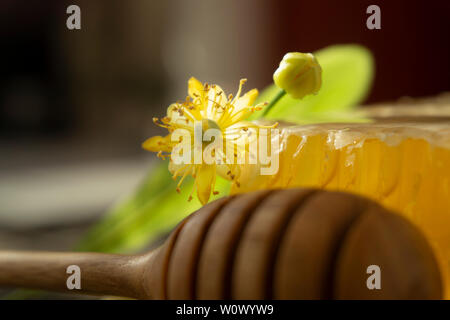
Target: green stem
275, 99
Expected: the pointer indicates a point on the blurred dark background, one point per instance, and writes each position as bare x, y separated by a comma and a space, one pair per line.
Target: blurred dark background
75, 105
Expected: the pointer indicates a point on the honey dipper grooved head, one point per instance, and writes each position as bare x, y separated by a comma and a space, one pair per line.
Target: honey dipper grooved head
293, 244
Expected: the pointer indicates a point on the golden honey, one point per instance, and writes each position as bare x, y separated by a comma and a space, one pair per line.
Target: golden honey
405, 166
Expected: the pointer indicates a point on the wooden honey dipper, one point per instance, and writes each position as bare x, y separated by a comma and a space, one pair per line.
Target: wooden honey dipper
278, 244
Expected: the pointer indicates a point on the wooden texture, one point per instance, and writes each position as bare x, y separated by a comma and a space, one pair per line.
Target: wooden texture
257, 248
185, 255
397, 247
281, 244
310, 246
100, 273
214, 270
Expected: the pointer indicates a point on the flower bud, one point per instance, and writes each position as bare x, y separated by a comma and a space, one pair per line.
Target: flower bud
299, 74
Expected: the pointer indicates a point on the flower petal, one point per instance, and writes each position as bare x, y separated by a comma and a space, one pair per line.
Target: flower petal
235, 127
204, 181
158, 143
195, 88
246, 100
174, 115
216, 100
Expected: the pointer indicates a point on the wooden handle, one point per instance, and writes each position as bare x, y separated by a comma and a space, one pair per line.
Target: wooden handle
269, 244
109, 274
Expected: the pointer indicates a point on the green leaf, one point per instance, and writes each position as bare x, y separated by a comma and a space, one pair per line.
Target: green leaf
156, 182
150, 212
347, 75
157, 218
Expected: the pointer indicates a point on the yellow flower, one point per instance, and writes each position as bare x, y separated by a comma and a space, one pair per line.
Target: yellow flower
299, 74
208, 106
